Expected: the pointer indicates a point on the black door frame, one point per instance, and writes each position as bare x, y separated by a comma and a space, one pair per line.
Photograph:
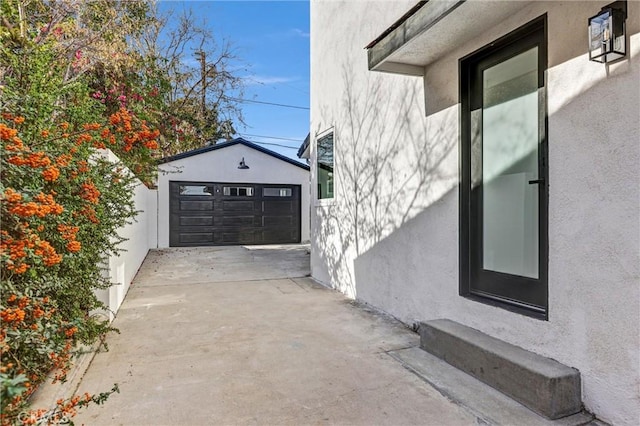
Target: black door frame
531, 297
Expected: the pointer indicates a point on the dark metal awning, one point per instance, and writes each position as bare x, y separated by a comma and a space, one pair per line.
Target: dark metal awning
432, 28
303, 151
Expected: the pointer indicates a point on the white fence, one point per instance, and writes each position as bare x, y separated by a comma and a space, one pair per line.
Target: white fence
141, 235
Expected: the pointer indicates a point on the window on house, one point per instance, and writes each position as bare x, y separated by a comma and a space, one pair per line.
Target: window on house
324, 170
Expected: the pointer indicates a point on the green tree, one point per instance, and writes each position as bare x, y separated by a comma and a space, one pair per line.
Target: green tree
196, 107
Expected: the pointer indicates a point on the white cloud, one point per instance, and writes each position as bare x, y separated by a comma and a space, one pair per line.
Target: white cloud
263, 79
298, 32
288, 34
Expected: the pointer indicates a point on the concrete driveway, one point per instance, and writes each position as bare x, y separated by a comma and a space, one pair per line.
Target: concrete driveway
237, 335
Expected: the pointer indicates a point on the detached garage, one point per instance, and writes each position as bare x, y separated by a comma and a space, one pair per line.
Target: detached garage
232, 193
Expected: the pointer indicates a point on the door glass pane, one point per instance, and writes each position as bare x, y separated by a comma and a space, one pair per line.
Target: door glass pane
276, 192
510, 135
237, 191
194, 190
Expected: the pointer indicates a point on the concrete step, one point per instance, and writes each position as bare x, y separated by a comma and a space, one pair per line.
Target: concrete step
488, 405
543, 385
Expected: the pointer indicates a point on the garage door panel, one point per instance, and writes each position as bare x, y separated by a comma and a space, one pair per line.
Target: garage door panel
197, 205
199, 237
237, 205
238, 221
239, 237
278, 207
246, 214
286, 221
196, 220
277, 235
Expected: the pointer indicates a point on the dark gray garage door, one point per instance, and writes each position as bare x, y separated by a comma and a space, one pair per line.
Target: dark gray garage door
212, 213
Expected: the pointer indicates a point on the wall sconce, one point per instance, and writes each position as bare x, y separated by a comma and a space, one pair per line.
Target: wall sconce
243, 165
607, 38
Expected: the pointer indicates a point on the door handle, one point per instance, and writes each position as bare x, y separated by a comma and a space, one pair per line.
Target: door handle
536, 181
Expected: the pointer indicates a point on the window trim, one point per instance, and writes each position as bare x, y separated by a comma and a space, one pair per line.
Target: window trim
320, 202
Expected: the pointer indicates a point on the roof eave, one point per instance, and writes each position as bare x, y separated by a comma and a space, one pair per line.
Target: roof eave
420, 19
433, 30
304, 151
232, 142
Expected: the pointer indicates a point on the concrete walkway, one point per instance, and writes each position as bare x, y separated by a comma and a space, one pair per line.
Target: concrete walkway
222, 336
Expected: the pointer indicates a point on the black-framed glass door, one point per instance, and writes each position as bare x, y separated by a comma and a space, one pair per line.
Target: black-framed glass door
504, 172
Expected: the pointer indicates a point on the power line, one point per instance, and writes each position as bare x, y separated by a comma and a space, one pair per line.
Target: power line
275, 144
278, 82
266, 103
273, 137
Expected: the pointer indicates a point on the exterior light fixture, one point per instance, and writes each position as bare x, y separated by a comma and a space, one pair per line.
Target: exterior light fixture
243, 165
607, 38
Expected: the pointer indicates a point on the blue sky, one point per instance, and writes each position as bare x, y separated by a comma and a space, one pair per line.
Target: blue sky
271, 41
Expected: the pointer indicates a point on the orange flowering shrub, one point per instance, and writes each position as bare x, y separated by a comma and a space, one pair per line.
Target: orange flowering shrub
61, 203
57, 225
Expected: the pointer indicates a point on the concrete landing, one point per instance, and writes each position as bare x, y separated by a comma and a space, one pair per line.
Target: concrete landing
546, 386
487, 404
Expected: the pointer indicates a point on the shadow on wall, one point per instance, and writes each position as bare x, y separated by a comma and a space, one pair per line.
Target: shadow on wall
394, 164
388, 168
412, 273
414, 270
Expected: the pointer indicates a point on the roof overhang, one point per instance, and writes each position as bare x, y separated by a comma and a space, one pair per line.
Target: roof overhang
237, 141
305, 149
433, 28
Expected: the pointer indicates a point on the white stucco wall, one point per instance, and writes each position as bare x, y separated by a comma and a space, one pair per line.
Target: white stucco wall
390, 236
221, 165
140, 235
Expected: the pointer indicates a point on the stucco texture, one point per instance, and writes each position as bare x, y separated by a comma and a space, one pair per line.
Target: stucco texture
390, 236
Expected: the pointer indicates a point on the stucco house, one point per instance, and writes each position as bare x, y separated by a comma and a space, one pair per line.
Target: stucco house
230, 193
476, 161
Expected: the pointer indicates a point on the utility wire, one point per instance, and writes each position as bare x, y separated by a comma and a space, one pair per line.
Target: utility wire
275, 144
273, 137
265, 103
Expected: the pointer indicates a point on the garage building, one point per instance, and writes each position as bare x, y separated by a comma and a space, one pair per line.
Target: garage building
235, 192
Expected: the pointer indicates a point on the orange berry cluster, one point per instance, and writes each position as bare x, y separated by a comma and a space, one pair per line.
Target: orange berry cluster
122, 120
22, 308
18, 249
61, 361
69, 232
34, 160
88, 212
12, 314
89, 192
64, 160
43, 205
